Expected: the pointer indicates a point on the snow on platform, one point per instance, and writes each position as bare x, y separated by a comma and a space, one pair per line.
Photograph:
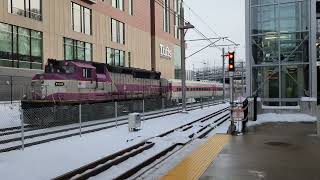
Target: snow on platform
10, 115
55, 158
273, 117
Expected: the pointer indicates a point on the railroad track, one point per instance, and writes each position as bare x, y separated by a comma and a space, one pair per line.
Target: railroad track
146, 153
11, 140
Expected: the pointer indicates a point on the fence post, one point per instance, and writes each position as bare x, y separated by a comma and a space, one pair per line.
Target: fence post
201, 103
22, 127
143, 110
116, 112
80, 120
162, 107
11, 87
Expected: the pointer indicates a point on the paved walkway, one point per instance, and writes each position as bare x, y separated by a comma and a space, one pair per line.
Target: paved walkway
275, 151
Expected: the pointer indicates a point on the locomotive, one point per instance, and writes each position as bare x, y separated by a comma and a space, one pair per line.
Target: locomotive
89, 82
58, 92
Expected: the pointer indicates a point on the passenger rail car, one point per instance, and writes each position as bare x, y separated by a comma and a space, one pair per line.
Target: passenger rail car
79, 81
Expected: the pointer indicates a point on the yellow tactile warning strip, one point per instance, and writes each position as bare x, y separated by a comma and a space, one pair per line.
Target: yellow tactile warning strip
198, 162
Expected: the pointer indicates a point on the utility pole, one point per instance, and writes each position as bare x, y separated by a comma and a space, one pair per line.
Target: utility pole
183, 59
223, 74
242, 78
182, 28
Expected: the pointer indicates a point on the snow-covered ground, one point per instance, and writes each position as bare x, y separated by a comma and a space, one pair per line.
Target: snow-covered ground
10, 115
165, 166
272, 117
52, 159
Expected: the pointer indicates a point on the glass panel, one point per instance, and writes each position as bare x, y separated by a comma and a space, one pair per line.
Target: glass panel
264, 19
9, 8
121, 32
266, 82
293, 17
131, 7
121, 5
114, 30
122, 58
80, 50
265, 49
294, 47
109, 56
88, 52
76, 17
295, 82
113, 57
117, 58
129, 59
87, 17
262, 2
24, 47
114, 3
69, 51
15, 43
5, 41
36, 46
35, 9
18, 7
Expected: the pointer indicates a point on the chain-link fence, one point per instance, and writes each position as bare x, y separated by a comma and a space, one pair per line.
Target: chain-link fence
30, 123
14, 88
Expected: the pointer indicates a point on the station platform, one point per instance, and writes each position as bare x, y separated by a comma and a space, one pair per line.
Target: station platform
274, 151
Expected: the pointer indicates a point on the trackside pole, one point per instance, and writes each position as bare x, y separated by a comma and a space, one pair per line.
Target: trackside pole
143, 110
318, 121
201, 103
22, 127
232, 127
80, 120
116, 112
162, 107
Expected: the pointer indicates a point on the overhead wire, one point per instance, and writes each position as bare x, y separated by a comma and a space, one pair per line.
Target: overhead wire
204, 22
185, 21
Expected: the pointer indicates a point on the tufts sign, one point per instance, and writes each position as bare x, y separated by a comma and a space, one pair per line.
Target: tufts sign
165, 52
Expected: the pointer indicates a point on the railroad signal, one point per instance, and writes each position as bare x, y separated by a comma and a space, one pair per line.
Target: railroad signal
231, 61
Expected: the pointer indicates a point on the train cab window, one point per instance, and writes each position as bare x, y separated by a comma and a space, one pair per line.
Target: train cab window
87, 73
68, 69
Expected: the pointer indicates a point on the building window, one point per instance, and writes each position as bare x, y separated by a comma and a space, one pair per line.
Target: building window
117, 31
129, 59
77, 50
130, 7
81, 18
115, 57
166, 16
177, 5
20, 47
27, 8
118, 4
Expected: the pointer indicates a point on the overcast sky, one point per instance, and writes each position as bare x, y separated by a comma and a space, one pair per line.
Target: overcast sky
226, 18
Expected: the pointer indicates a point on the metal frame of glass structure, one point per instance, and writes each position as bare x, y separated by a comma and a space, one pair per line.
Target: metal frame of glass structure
281, 51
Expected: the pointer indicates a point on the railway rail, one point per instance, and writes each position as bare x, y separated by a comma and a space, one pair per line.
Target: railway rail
147, 152
11, 139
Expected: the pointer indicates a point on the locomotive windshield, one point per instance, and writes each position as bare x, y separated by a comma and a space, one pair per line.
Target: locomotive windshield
57, 68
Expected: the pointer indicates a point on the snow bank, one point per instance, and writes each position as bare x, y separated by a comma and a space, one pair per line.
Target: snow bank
272, 117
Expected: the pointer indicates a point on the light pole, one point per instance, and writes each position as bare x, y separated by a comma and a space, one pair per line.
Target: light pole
183, 26
223, 73
203, 71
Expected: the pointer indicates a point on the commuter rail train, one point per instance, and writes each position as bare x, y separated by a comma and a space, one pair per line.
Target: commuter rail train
88, 82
